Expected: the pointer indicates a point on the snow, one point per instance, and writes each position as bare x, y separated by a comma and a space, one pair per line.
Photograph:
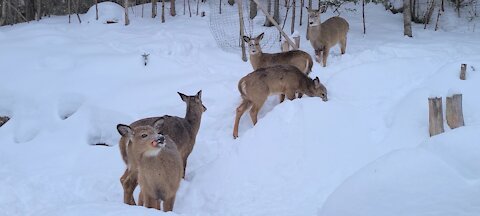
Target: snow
364, 152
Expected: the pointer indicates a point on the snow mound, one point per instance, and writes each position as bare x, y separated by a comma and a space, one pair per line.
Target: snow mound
107, 12
414, 181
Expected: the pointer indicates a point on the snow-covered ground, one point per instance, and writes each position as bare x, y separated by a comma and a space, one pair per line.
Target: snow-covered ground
364, 152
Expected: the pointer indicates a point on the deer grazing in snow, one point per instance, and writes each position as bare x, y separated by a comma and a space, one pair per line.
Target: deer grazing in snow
158, 163
324, 36
255, 88
300, 59
183, 131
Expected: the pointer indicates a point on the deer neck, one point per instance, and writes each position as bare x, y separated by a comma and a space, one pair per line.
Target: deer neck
193, 116
256, 60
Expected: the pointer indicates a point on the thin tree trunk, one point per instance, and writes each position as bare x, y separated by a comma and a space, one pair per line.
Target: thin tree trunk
269, 9
407, 18
302, 4
69, 10
96, 9
163, 11
276, 11
457, 7
242, 30
189, 10
253, 9
29, 9
292, 28
308, 26
76, 11
443, 7
363, 17
3, 18
184, 6
438, 17
198, 4
38, 14
17, 11
154, 8
125, 5
143, 4
173, 12
219, 7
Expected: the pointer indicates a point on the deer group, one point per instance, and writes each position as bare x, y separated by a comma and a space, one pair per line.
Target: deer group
155, 149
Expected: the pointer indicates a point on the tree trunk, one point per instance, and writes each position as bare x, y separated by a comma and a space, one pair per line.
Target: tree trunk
276, 11
125, 4
38, 13
3, 17
302, 4
242, 29
435, 116
454, 111
407, 18
219, 7
29, 9
189, 10
96, 9
173, 12
363, 17
293, 17
69, 10
198, 4
253, 9
438, 18
269, 9
163, 11
154, 8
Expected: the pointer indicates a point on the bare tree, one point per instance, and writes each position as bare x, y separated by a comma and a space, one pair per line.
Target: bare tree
363, 17
172, 8
38, 13
96, 9
125, 5
253, 9
154, 8
163, 11
407, 18
293, 17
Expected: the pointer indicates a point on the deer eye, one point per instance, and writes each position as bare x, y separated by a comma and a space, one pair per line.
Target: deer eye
144, 135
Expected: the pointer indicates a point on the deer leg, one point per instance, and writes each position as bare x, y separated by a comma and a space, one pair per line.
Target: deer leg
343, 45
300, 95
254, 111
129, 183
184, 167
240, 110
282, 98
168, 204
318, 55
290, 95
140, 199
325, 56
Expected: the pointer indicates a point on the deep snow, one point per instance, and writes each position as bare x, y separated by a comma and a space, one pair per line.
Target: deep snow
364, 152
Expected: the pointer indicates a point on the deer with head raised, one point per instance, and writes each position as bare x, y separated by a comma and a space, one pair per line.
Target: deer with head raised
255, 88
324, 36
158, 163
183, 131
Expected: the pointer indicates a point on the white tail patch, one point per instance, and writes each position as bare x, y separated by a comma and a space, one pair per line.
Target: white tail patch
244, 88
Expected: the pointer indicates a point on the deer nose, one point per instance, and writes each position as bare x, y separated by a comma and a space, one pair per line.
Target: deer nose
311, 23
161, 139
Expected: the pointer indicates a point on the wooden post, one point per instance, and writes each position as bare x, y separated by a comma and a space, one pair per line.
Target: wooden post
242, 29
454, 111
297, 41
435, 116
269, 17
463, 72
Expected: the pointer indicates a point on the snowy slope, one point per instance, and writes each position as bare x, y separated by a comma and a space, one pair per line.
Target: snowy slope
364, 152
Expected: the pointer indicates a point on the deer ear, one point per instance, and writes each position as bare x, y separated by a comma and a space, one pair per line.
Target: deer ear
158, 124
323, 8
260, 37
124, 130
316, 81
184, 97
199, 95
246, 39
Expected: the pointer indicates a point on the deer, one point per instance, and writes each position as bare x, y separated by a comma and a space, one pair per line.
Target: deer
158, 161
256, 86
298, 58
324, 36
183, 131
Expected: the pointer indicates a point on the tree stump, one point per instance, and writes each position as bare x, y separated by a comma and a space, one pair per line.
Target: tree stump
454, 111
463, 72
3, 120
435, 116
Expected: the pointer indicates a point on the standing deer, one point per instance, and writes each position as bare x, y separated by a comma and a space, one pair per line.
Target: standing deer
158, 161
324, 36
255, 88
298, 58
183, 131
